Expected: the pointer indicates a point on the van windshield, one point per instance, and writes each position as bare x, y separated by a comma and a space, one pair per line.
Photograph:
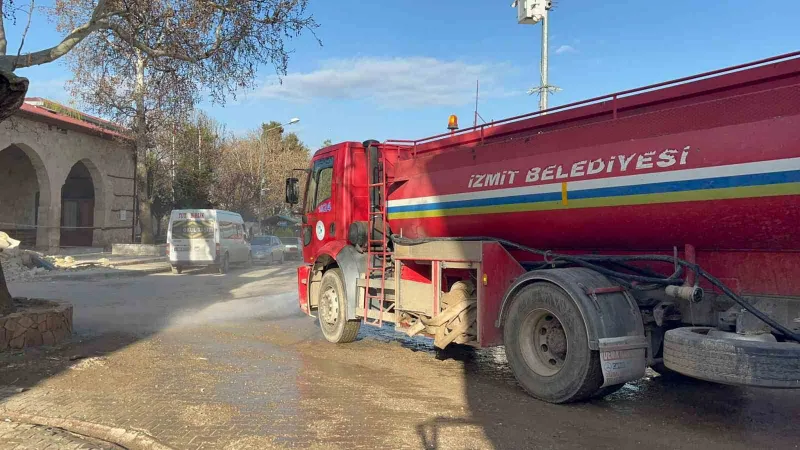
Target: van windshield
193, 229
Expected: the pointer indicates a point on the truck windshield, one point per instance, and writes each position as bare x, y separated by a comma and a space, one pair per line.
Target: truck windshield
319, 186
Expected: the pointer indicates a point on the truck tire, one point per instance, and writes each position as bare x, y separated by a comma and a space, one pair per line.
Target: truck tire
547, 346
332, 309
691, 352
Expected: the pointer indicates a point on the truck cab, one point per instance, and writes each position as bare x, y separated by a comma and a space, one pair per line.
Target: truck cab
335, 196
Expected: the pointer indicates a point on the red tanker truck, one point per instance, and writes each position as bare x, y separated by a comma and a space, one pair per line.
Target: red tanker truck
653, 227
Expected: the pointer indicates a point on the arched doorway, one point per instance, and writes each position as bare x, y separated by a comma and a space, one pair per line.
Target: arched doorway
78, 207
24, 191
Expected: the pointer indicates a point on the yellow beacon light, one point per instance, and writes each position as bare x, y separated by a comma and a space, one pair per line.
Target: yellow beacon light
452, 123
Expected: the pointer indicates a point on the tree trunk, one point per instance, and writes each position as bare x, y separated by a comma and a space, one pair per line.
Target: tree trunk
12, 94
5, 296
145, 203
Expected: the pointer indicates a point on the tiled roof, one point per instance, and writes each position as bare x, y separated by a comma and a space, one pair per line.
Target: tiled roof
52, 112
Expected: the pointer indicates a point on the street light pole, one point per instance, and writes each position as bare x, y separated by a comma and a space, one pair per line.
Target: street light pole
532, 12
544, 86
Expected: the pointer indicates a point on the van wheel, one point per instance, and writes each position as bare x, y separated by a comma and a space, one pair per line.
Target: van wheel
224, 266
177, 270
332, 307
249, 263
547, 346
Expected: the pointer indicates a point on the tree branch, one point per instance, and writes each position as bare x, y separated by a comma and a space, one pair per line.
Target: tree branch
3, 40
53, 53
24, 34
146, 49
98, 21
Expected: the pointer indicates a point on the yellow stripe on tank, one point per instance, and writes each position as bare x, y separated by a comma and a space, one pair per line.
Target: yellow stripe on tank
771, 190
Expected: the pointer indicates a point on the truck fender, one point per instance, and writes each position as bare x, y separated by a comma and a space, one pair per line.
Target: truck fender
608, 316
351, 263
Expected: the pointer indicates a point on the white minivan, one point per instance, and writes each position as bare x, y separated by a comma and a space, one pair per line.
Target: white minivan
207, 237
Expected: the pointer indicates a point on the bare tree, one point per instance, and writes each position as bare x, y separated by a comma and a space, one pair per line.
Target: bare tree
251, 171
139, 54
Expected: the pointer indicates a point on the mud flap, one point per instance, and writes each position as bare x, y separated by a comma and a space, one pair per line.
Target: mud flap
622, 359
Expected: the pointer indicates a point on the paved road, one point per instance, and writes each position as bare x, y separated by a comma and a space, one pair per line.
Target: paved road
209, 361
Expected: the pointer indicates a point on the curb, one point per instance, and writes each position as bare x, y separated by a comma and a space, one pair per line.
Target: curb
133, 262
77, 276
133, 440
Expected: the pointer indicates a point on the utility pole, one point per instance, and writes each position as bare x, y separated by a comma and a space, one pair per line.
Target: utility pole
531, 12
545, 50
477, 89
172, 164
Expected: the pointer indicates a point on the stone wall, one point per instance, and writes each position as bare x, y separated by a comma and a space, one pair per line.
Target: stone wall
36, 322
53, 151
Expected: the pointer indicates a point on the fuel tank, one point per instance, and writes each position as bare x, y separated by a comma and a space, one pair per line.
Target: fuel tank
712, 161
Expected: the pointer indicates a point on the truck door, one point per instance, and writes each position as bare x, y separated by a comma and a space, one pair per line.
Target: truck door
319, 207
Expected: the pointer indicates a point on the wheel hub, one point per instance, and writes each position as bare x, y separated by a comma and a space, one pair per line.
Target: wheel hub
329, 304
556, 341
544, 342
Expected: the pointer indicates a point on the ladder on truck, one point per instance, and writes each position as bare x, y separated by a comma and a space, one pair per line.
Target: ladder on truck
377, 249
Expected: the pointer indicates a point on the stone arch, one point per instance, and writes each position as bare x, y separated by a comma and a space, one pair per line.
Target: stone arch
38, 214
99, 193
83, 205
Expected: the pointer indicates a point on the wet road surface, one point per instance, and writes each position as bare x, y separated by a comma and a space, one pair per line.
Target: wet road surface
210, 361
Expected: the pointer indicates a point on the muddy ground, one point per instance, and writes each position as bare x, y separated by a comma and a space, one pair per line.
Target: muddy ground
209, 361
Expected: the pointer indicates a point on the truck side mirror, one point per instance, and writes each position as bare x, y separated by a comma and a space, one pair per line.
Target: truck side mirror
292, 191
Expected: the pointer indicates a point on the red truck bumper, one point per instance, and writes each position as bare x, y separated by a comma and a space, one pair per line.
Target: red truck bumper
302, 287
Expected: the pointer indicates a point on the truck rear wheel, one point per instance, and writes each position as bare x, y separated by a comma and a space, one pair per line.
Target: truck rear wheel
332, 306
547, 346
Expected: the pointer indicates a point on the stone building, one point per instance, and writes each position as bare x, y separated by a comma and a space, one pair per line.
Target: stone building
66, 178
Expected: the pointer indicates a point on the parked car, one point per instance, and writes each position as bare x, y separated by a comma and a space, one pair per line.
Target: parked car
206, 237
267, 249
292, 247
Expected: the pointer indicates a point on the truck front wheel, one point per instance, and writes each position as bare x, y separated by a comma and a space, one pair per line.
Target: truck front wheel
332, 306
547, 346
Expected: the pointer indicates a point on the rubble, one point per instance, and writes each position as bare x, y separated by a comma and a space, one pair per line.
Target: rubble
25, 265
18, 265
13, 268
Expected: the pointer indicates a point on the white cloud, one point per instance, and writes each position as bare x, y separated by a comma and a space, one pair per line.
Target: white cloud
565, 49
390, 82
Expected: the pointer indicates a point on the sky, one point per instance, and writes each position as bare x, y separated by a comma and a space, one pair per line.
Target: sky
397, 70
